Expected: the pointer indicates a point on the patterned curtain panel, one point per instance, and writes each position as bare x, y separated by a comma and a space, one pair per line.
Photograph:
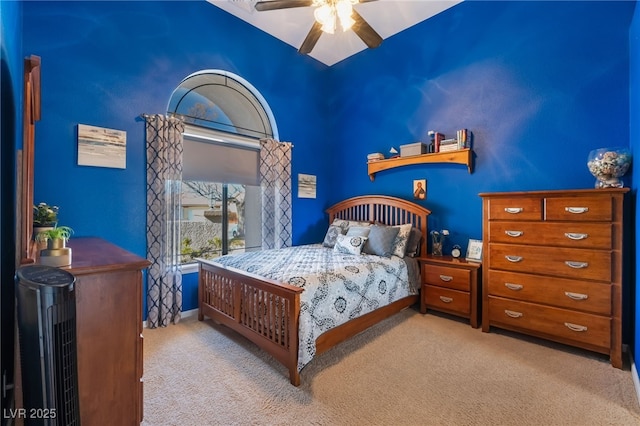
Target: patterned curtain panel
275, 183
164, 180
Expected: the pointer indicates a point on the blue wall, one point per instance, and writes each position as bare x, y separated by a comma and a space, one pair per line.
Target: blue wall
540, 84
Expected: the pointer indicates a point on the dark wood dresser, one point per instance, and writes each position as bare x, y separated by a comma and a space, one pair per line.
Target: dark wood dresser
553, 266
109, 331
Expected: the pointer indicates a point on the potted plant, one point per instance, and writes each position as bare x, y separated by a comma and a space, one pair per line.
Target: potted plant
57, 253
45, 215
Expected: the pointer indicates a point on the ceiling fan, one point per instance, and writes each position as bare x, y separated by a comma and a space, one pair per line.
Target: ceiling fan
328, 14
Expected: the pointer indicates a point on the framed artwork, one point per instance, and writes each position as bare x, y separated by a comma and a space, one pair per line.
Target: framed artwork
474, 251
420, 189
306, 186
102, 147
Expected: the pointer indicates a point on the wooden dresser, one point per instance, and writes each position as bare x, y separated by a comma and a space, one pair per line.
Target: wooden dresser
553, 266
109, 332
450, 285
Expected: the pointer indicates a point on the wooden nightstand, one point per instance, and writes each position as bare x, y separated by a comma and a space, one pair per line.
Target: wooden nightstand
451, 285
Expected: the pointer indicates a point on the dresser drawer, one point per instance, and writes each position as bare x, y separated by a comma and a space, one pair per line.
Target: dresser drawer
579, 208
564, 293
580, 235
445, 299
562, 262
515, 209
575, 326
455, 278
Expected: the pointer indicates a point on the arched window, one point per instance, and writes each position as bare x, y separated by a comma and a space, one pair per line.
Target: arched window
220, 100
225, 117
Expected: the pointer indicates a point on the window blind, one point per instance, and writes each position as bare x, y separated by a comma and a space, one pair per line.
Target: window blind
212, 156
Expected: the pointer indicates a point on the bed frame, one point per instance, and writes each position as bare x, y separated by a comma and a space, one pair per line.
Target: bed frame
266, 311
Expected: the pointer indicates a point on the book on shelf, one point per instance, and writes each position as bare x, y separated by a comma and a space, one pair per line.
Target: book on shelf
462, 137
437, 139
449, 147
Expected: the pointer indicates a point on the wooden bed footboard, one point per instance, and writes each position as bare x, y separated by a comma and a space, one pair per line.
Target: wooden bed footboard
264, 311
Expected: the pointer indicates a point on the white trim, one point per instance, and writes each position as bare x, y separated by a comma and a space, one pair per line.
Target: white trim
189, 268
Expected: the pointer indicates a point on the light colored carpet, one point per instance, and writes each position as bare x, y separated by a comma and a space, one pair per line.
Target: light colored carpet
411, 369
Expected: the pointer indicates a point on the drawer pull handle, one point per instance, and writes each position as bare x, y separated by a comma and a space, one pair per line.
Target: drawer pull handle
446, 278
513, 210
576, 265
513, 314
514, 233
575, 236
446, 299
514, 259
575, 327
576, 296
576, 210
514, 287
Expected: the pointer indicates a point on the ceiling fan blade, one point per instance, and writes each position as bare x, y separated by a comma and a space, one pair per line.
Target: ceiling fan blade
362, 28
312, 38
281, 4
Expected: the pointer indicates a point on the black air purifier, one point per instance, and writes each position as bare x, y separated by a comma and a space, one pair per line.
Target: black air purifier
48, 346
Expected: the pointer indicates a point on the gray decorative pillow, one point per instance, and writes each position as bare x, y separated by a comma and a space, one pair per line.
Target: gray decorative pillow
380, 240
349, 245
331, 235
358, 231
413, 245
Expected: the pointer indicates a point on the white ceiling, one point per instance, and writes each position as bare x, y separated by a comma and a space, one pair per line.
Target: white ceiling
387, 17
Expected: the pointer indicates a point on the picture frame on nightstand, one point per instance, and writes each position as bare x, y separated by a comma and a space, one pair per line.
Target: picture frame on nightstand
474, 251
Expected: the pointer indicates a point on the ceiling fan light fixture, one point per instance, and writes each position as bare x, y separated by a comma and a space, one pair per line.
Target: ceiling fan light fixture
329, 26
329, 11
326, 15
344, 8
347, 23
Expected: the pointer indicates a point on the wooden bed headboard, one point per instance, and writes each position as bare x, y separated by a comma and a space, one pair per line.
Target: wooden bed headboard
383, 209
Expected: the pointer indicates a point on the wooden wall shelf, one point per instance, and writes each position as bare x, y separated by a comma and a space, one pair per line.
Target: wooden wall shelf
461, 156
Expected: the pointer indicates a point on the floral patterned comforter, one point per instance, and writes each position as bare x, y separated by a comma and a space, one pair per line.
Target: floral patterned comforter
338, 287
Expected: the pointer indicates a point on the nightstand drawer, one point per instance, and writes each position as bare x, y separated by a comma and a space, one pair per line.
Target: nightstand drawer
562, 262
443, 276
578, 327
446, 300
579, 209
572, 235
579, 295
515, 209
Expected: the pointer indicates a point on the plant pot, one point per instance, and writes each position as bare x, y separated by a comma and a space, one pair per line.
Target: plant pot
56, 244
56, 254
36, 230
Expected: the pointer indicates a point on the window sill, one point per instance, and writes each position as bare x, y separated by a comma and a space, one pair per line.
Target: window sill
189, 268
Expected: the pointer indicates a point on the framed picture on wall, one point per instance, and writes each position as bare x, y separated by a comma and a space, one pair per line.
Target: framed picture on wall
420, 189
474, 251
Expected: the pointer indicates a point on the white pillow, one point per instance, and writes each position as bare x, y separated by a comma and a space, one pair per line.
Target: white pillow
349, 245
